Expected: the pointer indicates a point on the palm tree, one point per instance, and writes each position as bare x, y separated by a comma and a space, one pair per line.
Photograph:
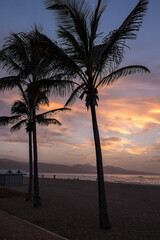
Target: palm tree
26, 67
93, 61
21, 115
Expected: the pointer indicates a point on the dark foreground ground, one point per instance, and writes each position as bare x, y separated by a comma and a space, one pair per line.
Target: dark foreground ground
15, 228
70, 209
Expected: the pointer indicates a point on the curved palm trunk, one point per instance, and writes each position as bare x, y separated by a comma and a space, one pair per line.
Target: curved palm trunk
37, 201
103, 212
29, 194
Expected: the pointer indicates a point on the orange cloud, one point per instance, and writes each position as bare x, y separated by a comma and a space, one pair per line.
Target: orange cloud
115, 143
144, 149
137, 150
52, 105
10, 96
129, 115
54, 144
155, 111
115, 129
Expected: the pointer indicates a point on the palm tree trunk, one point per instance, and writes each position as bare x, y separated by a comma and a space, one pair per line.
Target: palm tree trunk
103, 212
37, 201
29, 194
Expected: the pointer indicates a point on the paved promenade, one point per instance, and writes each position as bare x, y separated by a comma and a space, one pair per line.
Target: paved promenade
14, 228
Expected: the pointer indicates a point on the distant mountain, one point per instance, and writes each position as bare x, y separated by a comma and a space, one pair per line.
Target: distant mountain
118, 170
58, 168
11, 164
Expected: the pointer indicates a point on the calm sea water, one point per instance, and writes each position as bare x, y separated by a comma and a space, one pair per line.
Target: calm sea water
116, 178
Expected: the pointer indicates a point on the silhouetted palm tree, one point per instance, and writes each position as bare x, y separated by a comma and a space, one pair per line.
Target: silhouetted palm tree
21, 114
26, 67
92, 63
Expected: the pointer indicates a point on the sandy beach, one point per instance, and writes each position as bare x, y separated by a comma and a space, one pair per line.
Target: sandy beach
70, 208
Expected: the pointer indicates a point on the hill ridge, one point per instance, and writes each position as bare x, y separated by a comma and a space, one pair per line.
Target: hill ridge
6, 163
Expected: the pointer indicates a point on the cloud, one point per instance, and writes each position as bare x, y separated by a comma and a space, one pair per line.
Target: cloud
123, 115
113, 144
14, 138
4, 107
7, 98
126, 116
144, 149
55, 143
57, 137
155, 161
46, 138
129, 115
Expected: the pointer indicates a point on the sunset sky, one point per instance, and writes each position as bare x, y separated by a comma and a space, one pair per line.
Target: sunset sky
128, 112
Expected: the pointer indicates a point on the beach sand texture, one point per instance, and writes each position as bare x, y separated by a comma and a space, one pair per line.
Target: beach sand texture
70, 209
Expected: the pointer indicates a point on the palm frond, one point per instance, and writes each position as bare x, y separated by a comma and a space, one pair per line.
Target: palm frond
5, 120
134, 21
73, 15
94, 23
19, 107
56, 57
18, 126
42, 99
18, 56
8, 63
75, 94
8, 83
35, 95
47, 121
71, 45
112, 50
55, 86
122, 72
54, 111
16, 48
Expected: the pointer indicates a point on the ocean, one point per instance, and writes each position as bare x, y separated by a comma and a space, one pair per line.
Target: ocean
115, 178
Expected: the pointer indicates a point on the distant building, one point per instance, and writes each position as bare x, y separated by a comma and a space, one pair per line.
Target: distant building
10, 178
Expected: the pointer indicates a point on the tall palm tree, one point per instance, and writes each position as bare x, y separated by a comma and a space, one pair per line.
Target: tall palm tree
26, 67
21, 115
93, 61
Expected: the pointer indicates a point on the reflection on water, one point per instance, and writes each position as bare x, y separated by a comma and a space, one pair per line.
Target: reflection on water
116, 178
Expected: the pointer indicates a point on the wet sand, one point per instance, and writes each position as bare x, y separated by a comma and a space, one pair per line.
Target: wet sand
70, 209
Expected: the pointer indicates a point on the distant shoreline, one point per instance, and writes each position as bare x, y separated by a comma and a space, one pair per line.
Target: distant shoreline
112, 178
